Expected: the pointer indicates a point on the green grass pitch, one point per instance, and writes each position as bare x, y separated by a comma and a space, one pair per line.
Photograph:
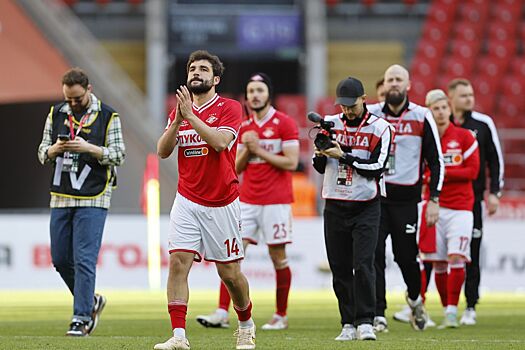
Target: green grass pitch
138, 320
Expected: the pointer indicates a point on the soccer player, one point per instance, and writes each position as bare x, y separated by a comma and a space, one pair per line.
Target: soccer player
416, 141
461, 97
267, 154
205, 218
454, 227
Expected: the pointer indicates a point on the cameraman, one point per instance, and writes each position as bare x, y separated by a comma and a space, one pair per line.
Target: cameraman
352, 186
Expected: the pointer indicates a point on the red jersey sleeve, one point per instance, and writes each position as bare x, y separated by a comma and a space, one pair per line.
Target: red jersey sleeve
470, 167
231, 117
171, 117
289, 132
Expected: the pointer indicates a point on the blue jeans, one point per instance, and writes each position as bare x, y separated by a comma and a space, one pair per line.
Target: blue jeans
76, 235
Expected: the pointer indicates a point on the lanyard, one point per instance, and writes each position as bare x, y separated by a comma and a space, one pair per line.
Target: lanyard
396, 131
365, 117
81, 124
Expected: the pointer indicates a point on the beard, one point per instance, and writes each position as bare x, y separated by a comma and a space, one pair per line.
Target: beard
200, 89
258, 109
395, 98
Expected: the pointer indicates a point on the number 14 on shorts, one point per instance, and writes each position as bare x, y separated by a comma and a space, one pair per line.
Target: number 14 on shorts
232, 248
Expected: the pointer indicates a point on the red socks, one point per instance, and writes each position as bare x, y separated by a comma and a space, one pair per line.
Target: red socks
441, 284
177, 310
283, 279
455, 281
245, 313
224, 297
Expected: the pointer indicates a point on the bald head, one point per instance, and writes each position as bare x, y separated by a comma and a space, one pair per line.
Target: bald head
397, 84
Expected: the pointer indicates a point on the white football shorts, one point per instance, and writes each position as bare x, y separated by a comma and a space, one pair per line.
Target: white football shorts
453, 234
212, 233
271, 223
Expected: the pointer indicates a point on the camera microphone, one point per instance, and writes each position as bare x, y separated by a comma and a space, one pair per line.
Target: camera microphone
314, 117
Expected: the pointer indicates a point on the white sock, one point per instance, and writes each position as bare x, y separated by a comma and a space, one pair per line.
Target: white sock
451, 309
179, 332
222, 313
246, 324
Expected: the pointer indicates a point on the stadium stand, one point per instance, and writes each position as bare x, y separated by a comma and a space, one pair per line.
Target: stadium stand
482, 41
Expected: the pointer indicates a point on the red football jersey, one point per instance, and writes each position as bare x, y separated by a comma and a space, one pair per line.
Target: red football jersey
208, 177
461, 158
262, 183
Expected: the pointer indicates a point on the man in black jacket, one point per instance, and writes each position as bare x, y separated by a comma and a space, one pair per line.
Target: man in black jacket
416, 141
352, 187
461, 97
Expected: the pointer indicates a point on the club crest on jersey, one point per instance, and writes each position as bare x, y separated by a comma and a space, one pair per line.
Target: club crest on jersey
268, 132
211, 119
196, 152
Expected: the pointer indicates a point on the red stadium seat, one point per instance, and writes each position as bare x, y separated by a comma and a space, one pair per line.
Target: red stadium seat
513, 86
458, 66
485, 86
506, 12
442, 13
435, 31
426, 68
502, 49
466, 49
491, 67
474, 12
430, 50
517, 66
325, 106
502, 30
510, 112
468, 31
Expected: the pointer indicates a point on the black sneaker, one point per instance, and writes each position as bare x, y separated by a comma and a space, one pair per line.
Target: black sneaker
77, 328
100, 303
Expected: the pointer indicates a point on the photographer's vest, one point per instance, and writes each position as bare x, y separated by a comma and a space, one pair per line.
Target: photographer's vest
92, 179
363, 140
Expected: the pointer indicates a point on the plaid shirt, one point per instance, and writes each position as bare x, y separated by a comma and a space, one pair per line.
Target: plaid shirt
113, 155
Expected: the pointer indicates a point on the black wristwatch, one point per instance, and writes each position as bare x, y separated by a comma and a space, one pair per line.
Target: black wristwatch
434, 199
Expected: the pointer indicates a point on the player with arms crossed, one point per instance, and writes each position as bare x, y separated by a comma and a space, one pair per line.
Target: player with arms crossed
205, 218
454, 226
267, 154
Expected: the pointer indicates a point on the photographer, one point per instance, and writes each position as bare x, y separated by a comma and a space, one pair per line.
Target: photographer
352, 187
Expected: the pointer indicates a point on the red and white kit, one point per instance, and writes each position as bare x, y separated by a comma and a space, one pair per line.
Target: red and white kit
266, 191
205, 218
455, 223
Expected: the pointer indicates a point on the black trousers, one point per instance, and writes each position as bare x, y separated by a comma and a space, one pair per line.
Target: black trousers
473, 276
350, 238
400, 221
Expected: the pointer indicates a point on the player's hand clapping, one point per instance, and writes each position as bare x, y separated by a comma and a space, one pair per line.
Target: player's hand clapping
184, 102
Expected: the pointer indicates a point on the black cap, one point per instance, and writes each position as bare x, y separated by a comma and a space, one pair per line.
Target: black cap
263, 78
348, 91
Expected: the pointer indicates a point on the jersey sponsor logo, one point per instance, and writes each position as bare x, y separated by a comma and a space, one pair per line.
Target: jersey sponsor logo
452, 158
276, 121
268, 132
220, 104
196, 152
351, 140
212, 118
188, 138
